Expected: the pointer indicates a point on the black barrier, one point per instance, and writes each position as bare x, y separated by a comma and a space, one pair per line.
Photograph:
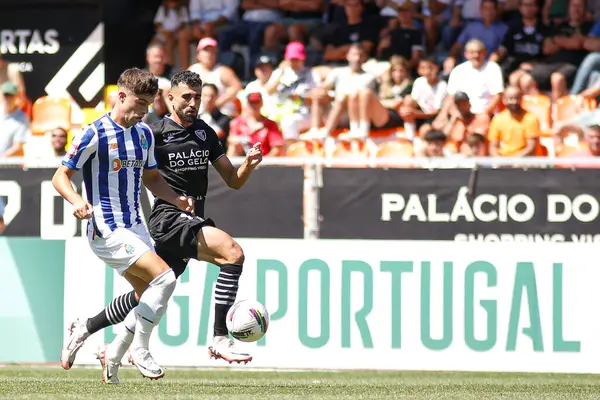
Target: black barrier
55, 49
269, 205
483, 205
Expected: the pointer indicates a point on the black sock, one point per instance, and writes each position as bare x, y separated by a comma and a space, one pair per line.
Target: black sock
115, 312
225, 292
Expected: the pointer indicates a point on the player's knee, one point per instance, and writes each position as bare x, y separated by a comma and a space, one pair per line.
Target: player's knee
235, 254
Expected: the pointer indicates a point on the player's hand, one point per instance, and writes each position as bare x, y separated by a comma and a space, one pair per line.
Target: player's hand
186, 203
82, 210
254, 155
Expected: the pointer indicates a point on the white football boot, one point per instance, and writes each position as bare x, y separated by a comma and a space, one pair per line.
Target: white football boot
109, 369
78, 333
223, 347
144, 362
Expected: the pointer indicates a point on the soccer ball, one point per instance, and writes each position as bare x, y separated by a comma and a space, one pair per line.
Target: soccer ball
247, 320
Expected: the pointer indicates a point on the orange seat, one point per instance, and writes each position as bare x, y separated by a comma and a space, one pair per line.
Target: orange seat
305, 148
352, 149
49, 113
571, 105
397, 150
541, 107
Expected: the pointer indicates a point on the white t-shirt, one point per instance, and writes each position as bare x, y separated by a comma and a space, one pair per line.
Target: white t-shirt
479, 84
429, 97
269, 100
171, 19
347, 82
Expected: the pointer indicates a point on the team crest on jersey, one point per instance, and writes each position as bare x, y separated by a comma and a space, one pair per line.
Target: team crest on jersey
201, 134
143, 142
129, 249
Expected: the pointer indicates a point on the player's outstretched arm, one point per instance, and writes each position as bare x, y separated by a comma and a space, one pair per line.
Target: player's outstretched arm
161, 189
234, 177
62, 183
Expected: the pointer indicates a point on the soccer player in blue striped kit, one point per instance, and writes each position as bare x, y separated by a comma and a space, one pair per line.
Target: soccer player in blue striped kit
184, 147
116, 155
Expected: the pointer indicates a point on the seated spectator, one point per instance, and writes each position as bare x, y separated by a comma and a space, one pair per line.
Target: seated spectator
589, 147
357, 29
481, 80
591, 63
9, 72
425, 100
14, 125
301, 16
250, 30
251, 128
292, 84
523, 44
210, 17
566, 49
172, 24
514, 132
462, 123
156, 61
490, 30
2, 224
405, 40
347, 82
435, 142
382, 111
59, 140
475, 146
263, 70
221, 76
210, 113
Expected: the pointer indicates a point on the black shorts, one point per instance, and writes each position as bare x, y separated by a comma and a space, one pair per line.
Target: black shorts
175, 237
394, 120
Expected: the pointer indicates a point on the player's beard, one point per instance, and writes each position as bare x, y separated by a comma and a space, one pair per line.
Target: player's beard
183, 117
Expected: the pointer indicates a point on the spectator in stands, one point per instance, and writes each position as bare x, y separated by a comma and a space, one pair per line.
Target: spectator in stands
593, 89
2, 224
514, 132
221, 76
404, 40
250, 30
434, 15
156, 60
475, 146
252, 127
14, 125
292, 82
462, 123
481, 80
172, 24
263, 70
590, 64
210, 17
425, 100
210, 113
383, 111
59, 140
301, 16
434, 145
523, 45
588, 129
463, 12
9, 72
566, 49
356, 29
490, 30
347, 83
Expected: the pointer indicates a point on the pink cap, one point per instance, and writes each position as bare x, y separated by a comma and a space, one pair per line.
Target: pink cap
206, 42
295, 50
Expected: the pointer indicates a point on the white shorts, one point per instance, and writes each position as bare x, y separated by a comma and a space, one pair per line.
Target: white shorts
123, 247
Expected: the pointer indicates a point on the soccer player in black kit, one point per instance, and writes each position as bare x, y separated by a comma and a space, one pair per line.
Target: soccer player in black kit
184, 145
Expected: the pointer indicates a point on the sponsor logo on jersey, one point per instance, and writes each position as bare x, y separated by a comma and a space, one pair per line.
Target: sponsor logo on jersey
117, 164
143, 142
201, 134
113, 146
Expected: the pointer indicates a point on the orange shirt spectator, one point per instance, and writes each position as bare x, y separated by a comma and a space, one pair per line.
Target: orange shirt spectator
251, 128
514, 132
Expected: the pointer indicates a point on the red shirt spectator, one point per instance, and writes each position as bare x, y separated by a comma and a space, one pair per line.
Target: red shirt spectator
251, 128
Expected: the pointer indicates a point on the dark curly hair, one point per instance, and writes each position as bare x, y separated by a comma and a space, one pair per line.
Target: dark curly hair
188, 78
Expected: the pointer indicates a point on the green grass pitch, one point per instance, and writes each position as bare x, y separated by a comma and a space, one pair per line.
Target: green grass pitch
20, 382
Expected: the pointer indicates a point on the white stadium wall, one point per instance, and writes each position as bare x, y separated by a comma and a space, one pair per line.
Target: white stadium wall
396, 305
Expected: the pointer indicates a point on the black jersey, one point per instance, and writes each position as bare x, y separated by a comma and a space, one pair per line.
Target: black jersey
183, 155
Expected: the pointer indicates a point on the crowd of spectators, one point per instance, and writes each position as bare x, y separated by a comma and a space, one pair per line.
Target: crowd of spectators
447, 76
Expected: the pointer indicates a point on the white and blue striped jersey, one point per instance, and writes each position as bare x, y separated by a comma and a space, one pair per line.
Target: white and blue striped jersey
112, 159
